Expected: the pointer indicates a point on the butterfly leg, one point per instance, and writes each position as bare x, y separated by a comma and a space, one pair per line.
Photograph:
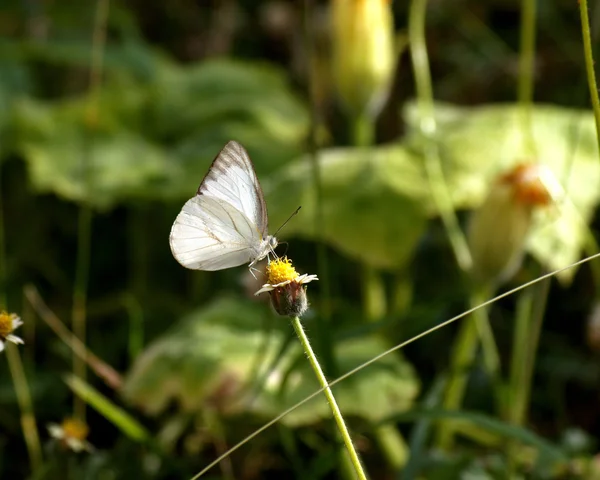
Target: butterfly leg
252, 270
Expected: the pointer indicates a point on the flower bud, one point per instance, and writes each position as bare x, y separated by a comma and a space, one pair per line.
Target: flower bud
290, 300
287, 288
498, 228
363, 53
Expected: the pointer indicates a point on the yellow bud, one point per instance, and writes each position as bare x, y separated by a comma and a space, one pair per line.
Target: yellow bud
363, 53
498, 228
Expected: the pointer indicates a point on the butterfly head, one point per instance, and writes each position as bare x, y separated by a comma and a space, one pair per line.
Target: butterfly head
272, 242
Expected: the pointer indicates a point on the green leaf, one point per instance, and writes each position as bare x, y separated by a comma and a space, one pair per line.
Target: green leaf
497, 427
198, 109
119, 417
375, 202
208, 356
102, 165
476, 144
155, 139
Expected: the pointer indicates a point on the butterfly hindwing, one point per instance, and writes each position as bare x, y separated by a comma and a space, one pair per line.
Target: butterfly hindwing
212, 234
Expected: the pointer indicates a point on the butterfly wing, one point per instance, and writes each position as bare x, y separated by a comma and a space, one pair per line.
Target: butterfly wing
232, 178
212, 234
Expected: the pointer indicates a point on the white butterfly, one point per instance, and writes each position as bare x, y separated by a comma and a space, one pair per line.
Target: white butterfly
225, 224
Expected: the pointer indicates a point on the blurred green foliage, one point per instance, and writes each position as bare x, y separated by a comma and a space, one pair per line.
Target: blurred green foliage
178, 82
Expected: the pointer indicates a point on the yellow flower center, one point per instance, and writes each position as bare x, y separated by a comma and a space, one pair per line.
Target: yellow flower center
281, 270
6, 324
74, 428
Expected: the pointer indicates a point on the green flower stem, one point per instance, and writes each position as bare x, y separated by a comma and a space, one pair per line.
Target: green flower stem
79, 310
519, 357
84, 237
375, 304
433, 165
491, 357
373, 287
363, 131
526, 71
473, 330
28, 423
589, 63
323, 321
374, 299
3, 277
215, 426
591, 247
528, 325
337, 415
393, 445
530, 347
462, 357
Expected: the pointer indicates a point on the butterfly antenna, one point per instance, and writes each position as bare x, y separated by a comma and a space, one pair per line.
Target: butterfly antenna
289, 218
286, 247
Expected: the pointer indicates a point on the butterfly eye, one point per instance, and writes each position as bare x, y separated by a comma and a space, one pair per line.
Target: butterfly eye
272, 242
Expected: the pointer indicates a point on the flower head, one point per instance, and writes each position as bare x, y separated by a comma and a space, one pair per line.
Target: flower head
286, 287
364, 55
72, 434
498, 228
532, 184
9, 322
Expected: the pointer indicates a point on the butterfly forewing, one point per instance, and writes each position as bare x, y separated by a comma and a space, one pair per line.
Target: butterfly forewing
232, 178
210, 234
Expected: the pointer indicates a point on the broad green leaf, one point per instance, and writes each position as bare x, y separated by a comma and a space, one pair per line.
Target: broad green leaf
208, 356
102, 165
198, 109
375, 202
187, 99
156, 138
476, 144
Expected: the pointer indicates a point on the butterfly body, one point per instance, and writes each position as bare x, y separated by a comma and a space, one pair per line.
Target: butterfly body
226, 223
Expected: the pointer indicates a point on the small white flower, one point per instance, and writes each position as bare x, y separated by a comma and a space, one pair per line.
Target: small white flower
9, 322
71, 434
302, 279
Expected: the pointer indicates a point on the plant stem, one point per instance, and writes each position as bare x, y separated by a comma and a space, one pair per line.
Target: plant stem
589, 63
529, 320
79, 310
374, 299
526, 70
110, 376
363, 133
393, 445
323, 320
28, 423
3, 277
514, 410
395, 348
491, 357
537, 320
473, 330
433, 165
337, 415
373, 287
